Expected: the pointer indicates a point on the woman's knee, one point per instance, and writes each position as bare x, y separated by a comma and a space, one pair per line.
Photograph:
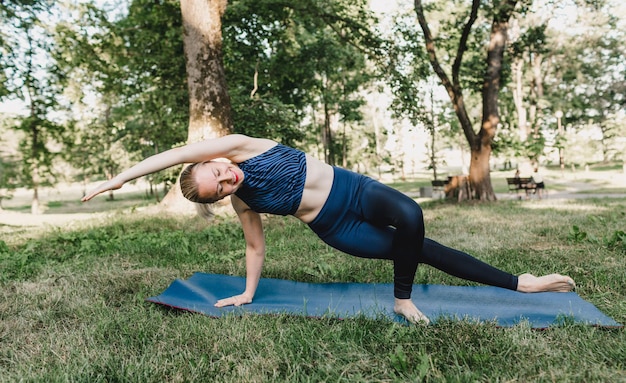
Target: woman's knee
409, 216
386, 206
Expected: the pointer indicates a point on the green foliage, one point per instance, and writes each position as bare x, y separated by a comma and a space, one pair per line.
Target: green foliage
615, 240
532, 40
399, 360
4, 248
32, 78
534, 147
266, 118
9, 172
576, 235
508, 145
587, 81
407, 70
155, 76
136, 67
285, 58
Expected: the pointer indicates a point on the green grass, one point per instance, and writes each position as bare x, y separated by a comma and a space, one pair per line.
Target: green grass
607, 166
410, 186
72, 302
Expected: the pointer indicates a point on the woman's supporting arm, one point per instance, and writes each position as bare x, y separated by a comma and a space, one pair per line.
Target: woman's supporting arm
255, 252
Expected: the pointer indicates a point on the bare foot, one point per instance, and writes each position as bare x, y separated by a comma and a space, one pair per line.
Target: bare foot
528, 283
407, 309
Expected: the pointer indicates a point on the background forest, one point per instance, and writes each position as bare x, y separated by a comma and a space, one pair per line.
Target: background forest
88, 87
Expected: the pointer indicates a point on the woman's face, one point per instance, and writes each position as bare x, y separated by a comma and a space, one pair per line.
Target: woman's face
217, 180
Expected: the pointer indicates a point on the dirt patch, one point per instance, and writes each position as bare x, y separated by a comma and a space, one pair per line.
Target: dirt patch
11, 218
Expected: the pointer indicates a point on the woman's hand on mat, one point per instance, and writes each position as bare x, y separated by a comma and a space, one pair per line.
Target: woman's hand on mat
237, 300
112, 184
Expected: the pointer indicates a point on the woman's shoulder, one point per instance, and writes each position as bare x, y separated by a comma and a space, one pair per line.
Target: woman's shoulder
247, 147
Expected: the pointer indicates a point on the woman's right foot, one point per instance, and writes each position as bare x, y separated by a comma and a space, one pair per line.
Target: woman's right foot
528, 283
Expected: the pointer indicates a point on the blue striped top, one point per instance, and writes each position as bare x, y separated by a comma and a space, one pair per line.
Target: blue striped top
274, 180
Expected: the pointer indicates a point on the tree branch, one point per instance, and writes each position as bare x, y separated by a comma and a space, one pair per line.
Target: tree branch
454, 89
495, 56
255, 80
456, 67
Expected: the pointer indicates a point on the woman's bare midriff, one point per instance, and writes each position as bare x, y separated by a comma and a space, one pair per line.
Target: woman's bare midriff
319, 181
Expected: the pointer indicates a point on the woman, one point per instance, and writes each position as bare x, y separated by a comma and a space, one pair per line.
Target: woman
349, 211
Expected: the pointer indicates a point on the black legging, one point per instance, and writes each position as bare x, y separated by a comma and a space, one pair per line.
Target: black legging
365, 218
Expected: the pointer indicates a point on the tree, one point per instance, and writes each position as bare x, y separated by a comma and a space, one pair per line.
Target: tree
566, 71
480, 142
10, 164
32, 78
209, 102
339, 73
299, 59
155, 82
257, 34
134, 66
587, 82
9, 167
412, 83
529, 50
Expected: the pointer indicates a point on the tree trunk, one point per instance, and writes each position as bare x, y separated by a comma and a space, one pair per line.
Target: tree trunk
537, 92
517, 67
480, 143
34, 156
209, 103
481, 151
327, 137
452, 86
479, 174
34, 206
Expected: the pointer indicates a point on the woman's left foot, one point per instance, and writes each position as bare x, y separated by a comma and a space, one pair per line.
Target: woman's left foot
407, 309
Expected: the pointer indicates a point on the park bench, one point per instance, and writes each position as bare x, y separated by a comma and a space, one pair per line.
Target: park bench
521, 183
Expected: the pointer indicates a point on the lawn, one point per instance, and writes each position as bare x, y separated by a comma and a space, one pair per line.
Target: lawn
72, 301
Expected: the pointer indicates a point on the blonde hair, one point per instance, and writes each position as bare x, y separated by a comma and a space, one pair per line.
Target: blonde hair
189, 188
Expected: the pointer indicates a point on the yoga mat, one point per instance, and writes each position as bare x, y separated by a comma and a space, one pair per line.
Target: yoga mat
375, 300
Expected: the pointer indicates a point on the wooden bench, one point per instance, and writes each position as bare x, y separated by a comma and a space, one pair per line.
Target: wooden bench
521, 183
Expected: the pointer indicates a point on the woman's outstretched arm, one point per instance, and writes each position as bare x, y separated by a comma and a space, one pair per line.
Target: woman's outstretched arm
235, 147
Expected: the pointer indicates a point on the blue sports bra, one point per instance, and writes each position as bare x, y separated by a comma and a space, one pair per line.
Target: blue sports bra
274, 180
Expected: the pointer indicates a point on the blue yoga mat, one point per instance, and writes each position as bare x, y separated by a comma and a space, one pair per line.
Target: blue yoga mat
344, 300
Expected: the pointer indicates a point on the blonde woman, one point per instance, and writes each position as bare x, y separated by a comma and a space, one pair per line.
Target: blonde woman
349, 211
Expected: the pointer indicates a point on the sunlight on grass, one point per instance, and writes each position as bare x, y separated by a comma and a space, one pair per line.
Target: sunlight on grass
565, 205
604, 190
